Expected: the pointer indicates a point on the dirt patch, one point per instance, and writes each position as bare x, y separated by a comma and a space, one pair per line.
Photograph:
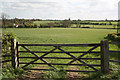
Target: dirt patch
75, 75
39, 75
34, 74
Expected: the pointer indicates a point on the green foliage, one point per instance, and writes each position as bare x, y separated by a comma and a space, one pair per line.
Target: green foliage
28, 25
49, 24
35, 26
10, 26
35, 23
7, 38
8, 72
113, 37
66, 23
114, 75
21, 26
59, 74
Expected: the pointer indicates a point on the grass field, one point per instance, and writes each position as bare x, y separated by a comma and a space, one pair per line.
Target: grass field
38, 23
107, 22
62, 35
59, 35
95, 26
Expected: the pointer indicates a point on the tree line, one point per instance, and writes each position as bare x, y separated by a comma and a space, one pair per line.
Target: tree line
29, 23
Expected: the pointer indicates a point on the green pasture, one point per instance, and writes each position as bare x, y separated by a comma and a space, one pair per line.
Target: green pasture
38, 23
95, 26
107, 22
63, 36
59, 35
99, 26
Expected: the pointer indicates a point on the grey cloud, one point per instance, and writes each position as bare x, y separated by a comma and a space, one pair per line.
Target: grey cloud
62, 8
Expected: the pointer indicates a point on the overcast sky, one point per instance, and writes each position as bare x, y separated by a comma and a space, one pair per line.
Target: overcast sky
61, 9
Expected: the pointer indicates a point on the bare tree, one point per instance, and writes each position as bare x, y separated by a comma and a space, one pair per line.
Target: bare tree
4, 17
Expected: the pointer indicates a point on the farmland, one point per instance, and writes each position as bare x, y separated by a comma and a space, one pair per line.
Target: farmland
62, 36
67, 23
97, 24
60, 40
59, 35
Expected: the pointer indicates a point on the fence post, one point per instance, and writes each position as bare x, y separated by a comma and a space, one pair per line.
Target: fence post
17, 54
104, 56
14, 54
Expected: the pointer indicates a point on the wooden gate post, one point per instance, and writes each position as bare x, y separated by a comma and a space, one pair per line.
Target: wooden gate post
14, 51
17, 55
104, 56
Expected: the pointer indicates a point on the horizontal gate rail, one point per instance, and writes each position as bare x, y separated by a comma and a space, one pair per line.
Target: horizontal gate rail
62, 64
63, 58
59, 52
6, 61
93, 44
114, 51
6, 55
114, 61
114, 42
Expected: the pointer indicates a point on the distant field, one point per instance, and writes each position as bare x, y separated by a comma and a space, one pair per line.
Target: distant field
44, 22
107, 22
59, 35
95, 26
99, 26
38, 23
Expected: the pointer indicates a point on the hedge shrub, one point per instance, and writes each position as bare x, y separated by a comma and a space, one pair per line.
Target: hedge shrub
7, 38
113, 37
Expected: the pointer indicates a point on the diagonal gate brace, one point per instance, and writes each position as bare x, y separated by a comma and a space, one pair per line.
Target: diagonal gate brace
39, 57
78, 58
